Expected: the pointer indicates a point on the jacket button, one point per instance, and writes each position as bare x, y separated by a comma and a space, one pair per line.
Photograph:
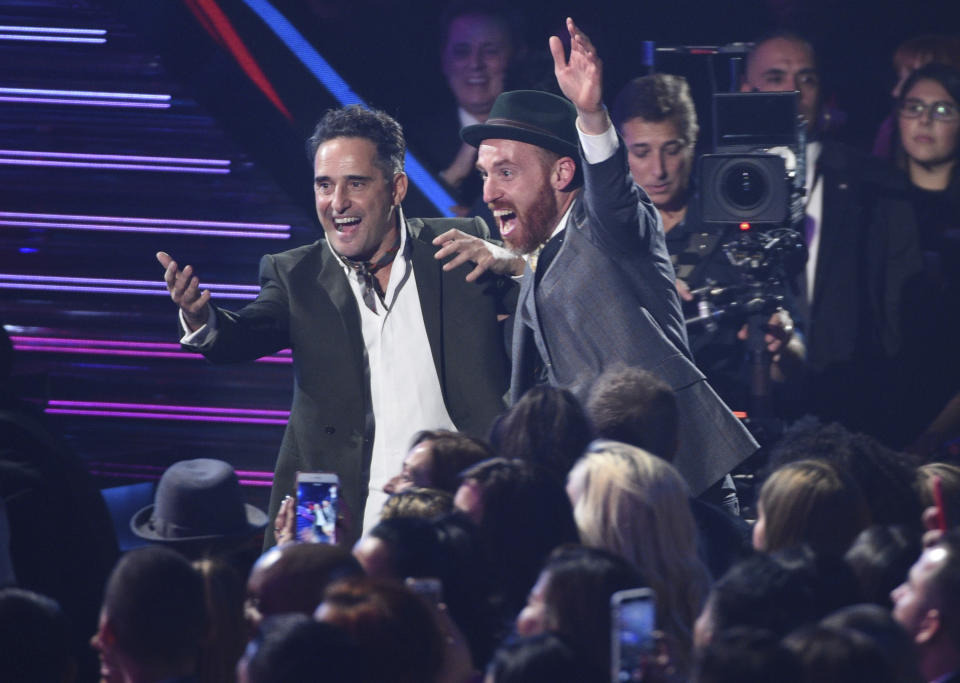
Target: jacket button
329, 430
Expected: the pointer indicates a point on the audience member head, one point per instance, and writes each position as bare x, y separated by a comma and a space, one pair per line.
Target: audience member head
927, 605
294, 647
778, 592
375, 126
636, 505
918, 51
226, 630
396, 632
153, 619
746, 655
479, 42
293, 577
838, 655
812, 502
199, 509
885, 477
542, 658
781, 62
635, 407
546, 427
523, 514
929, 120
436, 459
36, 639
572, 598
657, 119
417, 502
877, 624
880, 557
399, 547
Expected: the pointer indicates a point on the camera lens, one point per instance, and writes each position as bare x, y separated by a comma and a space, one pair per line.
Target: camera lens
744, 186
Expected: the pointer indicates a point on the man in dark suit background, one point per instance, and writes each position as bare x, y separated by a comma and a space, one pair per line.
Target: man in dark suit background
385, 342
598, 289
863, 260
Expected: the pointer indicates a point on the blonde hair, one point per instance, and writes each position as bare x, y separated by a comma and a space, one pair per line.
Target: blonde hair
637, 505
812, 502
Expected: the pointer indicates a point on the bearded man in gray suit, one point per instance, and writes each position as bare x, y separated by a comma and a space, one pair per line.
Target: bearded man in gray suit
597, 286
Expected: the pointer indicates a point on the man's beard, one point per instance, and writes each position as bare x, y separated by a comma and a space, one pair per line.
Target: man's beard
535, 223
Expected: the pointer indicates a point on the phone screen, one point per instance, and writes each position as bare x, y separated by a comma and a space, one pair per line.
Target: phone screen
317, 511
633, 625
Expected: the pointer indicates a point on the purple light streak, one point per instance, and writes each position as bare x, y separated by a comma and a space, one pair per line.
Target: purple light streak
113, 281
262, 474
52, 29
114, 157
85, 93
113, 167
210, 410
87, 103
107, 290
109, 347
52, 39
166, 416
144, 229
147, 221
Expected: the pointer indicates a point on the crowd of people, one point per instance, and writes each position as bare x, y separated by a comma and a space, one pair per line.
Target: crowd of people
483, 540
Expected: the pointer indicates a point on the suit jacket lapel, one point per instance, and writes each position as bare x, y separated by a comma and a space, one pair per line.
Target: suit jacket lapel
333, 281
430, 289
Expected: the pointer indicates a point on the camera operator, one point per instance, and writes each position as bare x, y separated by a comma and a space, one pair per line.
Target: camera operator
658, 122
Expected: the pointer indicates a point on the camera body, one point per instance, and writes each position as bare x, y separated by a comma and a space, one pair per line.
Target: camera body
756, 172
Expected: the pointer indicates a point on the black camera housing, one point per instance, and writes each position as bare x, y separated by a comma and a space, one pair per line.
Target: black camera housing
744, 187
742, 180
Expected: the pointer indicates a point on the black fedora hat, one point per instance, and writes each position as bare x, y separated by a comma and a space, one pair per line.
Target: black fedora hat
531, 116
198, 500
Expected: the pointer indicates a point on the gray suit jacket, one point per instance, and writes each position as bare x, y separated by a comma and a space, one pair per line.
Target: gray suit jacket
608, 298
305, 303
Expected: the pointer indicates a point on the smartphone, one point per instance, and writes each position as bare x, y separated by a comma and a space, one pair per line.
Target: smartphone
431, 589
632, 621
318, 497
938, 502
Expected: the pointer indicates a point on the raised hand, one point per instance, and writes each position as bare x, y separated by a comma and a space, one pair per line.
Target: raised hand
184, 288
581, 78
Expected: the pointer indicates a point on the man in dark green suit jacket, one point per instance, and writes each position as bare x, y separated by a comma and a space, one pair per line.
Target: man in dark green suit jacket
334, 302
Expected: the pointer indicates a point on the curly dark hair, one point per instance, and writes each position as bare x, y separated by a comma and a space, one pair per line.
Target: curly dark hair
655, 98
374, 125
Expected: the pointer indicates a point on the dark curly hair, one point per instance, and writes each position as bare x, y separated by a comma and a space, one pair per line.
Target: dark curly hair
356, 121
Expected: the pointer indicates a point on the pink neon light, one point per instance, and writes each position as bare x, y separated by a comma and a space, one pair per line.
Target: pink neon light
55, 29
114, 167
135, 354
263, 474
107, 290
53, 39
162, 231
156, 477
87, 103
146, 221
166, 416
167, 407
113, 157
86, 93
114, 281
107, 342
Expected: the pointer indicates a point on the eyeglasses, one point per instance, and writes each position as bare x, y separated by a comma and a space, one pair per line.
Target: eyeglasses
939, 111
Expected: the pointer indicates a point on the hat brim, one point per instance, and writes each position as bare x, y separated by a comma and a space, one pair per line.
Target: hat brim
477, 133
140, 526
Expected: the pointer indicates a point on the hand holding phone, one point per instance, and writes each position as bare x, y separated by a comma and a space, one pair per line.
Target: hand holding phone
632, 622
317, 507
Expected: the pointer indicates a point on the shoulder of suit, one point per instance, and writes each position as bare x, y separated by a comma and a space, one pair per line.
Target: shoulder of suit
291, 257
863, 167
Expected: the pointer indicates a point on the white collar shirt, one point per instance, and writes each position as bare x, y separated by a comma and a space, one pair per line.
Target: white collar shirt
405, 391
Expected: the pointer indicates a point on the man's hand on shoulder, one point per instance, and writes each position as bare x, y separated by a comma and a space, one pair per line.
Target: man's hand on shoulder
485, 256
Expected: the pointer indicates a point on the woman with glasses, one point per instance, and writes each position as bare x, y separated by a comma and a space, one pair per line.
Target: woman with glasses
928, 115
